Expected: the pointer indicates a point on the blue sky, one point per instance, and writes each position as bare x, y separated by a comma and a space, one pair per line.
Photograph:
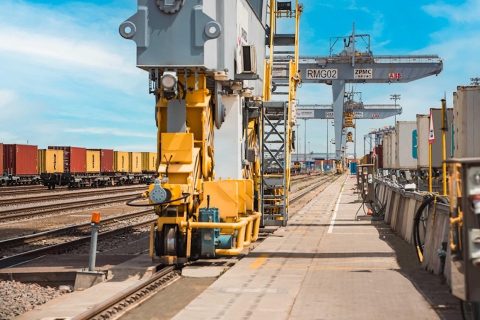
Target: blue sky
67, 77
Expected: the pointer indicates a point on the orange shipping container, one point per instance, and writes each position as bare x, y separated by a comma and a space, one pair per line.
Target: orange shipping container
50, 161
149, 160
135, 159
121, 161
93, 161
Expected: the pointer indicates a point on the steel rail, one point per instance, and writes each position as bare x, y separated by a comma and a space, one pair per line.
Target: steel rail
78, 228
65, 246
16, 213
72, 194
113, 307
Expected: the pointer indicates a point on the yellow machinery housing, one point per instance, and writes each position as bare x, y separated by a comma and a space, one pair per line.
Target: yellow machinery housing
209, 104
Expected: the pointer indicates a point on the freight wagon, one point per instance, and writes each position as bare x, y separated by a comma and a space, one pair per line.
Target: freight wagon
74, 166
95, 168
20, 164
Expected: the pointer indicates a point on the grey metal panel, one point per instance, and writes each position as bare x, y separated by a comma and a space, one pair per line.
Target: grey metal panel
422, 140
182, 39
466, 121
169, 39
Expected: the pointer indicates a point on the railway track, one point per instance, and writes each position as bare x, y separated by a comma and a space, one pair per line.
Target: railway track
11, 214
81, 234
118, 304
300, 193
114, 307
66, 195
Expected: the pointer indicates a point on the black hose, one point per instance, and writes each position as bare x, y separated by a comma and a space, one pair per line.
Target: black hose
131, 204
416, 226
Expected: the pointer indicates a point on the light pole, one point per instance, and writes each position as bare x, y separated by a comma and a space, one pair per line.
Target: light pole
395, 97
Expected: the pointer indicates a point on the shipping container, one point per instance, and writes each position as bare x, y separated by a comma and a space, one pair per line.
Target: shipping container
74, 159
93, 161
121, 161
437, 147
50, 161
466, 102
386, 151
135, 159
393, 149
423, 128
1, 159
149, 160
20, 160
379, 155
106, 161
404, 146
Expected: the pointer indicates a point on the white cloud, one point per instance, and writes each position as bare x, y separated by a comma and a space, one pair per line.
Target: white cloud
465, 13
7, 97
110, 131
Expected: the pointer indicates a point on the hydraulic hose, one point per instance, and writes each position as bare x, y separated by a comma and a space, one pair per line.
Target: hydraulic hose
427, 200
132, 204
416, 226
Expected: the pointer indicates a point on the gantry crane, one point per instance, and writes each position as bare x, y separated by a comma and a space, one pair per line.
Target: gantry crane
357, 64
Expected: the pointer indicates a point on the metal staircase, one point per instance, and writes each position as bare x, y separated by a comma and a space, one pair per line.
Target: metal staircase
281, 82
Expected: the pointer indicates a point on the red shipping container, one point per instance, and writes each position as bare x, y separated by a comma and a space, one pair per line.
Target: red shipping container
379, 153
74, 159
20, 159
1, 159
106, 160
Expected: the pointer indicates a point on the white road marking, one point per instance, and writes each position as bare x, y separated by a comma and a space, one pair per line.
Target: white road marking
332, 222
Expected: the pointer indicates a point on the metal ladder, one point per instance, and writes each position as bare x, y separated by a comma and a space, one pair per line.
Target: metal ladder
277, 121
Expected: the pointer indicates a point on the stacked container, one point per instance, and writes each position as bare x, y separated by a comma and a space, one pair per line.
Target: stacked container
379, 154
1, 159
423, 128
20, 160
404, 148
466, 103
93, 161
74, 159
386, 151
121, 161
135, 159
393, 149
50, 161
149, 160
106, 161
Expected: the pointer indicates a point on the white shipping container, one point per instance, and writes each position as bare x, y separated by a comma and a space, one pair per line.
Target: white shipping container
393, 149
386, 150
466, 104
404, 145
423, 127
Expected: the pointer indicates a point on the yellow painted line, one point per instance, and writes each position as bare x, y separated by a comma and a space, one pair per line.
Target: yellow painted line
257, 263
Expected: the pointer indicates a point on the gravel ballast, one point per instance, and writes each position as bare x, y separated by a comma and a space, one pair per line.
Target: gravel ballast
17, 298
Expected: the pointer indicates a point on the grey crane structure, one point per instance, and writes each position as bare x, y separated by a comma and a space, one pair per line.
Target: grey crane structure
354, 66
